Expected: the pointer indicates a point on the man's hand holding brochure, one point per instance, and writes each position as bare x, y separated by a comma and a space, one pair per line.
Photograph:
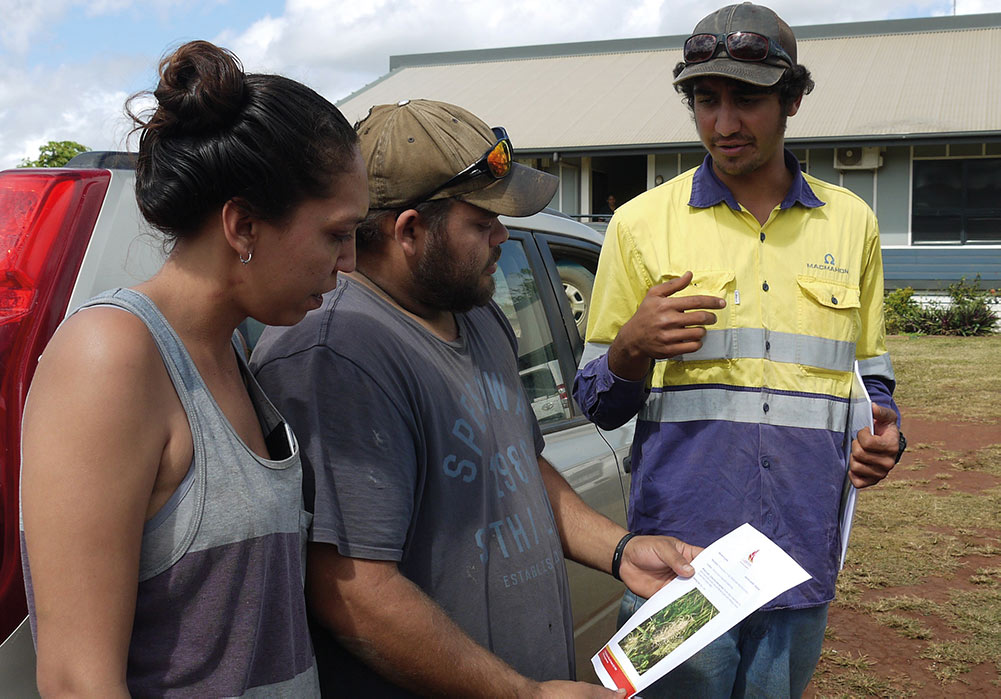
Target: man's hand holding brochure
859, 417
733, 577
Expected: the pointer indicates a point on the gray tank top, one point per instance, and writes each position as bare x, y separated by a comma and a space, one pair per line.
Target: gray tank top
220, 608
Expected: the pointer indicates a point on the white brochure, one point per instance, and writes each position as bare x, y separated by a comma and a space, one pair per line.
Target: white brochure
859, 416
734, 576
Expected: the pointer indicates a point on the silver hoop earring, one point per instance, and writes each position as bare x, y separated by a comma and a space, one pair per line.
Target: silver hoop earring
250, 256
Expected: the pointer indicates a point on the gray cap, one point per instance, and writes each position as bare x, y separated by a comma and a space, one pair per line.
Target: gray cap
745, 17
415, 146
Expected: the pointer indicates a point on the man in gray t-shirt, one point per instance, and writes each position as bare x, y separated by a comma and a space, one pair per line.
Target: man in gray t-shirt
438, 532
430, 451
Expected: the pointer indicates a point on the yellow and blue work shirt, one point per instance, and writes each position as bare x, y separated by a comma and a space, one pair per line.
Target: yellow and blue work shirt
750, 428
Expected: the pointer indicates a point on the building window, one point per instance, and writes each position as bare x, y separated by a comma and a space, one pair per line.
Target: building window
957, 201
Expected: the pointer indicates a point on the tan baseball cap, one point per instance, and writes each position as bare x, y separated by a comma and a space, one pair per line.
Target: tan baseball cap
415, 146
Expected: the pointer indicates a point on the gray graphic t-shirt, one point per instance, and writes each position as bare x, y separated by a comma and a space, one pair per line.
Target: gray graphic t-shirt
424, 452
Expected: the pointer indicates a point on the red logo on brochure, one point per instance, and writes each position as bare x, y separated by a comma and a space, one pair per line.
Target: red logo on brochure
750, 559
614, 671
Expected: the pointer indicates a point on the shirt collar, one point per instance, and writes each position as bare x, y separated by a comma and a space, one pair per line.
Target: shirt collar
708, 190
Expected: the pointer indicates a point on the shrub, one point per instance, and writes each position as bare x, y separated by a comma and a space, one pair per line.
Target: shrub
901, 312
969, 313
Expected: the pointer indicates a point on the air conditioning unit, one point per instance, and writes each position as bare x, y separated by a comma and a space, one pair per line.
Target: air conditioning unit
858, 158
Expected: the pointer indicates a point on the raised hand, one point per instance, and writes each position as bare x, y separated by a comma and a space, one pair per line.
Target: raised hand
663, 326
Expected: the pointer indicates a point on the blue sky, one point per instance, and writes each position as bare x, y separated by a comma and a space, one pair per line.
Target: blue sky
81, 32
67, 66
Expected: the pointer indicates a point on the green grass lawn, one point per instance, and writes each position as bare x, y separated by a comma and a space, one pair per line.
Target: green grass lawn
924, 563
948, 377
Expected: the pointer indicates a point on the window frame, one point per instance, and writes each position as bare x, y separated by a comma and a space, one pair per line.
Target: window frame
963, 212
566, 340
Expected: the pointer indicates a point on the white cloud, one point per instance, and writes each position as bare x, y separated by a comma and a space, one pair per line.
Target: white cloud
336, 47
79, 100
37, 106
681, 19
23, 20
970, 7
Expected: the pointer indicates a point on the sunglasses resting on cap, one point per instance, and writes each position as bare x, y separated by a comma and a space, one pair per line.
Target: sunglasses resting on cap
739, 46
496, 163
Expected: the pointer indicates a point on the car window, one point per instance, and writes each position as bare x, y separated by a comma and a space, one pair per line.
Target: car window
576, 267
517, 294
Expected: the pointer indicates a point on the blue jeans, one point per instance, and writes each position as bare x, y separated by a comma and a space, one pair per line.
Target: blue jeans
769, 654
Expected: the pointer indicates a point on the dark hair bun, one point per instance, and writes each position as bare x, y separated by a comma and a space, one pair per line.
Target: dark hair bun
202, 89
218, 134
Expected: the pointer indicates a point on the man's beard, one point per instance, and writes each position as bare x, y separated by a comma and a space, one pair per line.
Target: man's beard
449, 284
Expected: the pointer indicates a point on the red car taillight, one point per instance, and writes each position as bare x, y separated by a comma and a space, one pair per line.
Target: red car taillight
46, 220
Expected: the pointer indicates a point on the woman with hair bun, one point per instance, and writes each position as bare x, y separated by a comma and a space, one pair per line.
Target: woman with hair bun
162, 519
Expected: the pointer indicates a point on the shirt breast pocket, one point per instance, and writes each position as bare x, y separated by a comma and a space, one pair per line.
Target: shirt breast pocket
828, 323
719, 341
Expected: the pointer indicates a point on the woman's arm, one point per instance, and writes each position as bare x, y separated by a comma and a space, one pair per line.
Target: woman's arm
94, 435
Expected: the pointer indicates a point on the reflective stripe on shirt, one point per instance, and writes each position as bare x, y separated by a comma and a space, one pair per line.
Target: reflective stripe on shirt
759, 343
739, 404
880, 366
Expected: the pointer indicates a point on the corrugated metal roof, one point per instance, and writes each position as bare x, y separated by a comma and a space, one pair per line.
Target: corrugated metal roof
922, 84
929, 83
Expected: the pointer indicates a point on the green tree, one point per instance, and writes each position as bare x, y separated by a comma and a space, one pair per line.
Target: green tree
55, 154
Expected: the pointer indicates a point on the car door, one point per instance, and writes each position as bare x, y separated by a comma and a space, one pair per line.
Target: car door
529, 292
575, 262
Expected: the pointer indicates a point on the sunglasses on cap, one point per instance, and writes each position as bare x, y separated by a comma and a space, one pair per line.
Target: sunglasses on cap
740, 46
496, 163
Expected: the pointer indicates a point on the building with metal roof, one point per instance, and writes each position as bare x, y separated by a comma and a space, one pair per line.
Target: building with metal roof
905, 113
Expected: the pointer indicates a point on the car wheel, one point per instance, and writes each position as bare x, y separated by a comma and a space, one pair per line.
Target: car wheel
577, 285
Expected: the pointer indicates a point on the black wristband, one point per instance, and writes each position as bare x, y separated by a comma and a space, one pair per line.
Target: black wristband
617, 556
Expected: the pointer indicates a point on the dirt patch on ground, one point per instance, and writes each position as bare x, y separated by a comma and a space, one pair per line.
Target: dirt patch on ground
937, 635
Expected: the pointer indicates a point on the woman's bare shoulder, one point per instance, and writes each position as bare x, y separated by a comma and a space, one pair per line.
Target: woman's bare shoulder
101, 338
101, 359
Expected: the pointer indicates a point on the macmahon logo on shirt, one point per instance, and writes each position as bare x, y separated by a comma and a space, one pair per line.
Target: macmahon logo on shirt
828, 266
